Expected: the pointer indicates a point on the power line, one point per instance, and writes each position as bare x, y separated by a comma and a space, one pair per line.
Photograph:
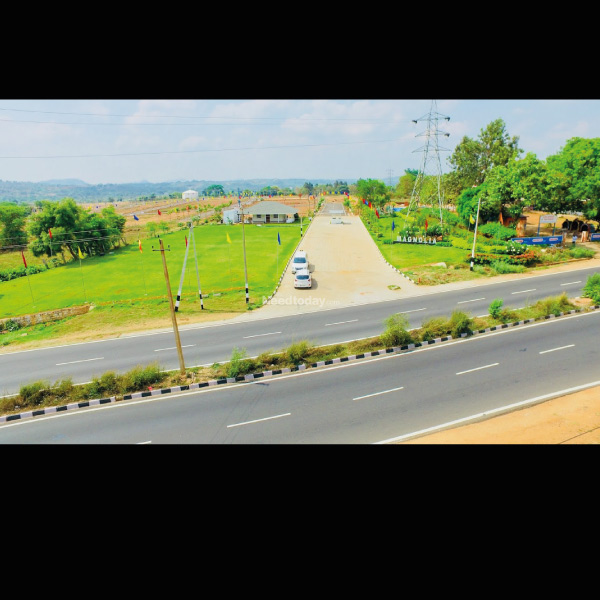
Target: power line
230, 118
202, 151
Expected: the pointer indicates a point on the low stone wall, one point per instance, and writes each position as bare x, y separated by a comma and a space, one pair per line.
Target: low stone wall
49, 315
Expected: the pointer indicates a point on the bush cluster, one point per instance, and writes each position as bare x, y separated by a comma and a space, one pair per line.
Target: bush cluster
591, 289
38, 393
436, 327
485, 258
16, 272
497, 231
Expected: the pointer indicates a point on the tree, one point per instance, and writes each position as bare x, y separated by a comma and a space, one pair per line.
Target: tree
308, 188
528, 180
406, 183
373, 190
466, 203
214, 190
12, 225
575, 171
473, 159
64, 218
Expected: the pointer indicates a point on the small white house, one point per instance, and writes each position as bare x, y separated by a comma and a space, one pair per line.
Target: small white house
270, 212
190, 195
231, 216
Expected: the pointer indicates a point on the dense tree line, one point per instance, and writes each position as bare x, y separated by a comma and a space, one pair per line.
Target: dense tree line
492, 169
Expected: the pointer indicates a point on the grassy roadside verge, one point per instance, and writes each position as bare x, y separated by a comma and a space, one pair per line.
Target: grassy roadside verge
142, 379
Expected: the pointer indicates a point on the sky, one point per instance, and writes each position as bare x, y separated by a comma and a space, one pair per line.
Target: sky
103, 141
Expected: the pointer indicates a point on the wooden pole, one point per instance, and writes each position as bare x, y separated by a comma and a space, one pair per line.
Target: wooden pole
172, 308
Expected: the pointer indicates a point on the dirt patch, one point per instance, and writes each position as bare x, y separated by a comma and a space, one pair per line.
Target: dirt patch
570, 419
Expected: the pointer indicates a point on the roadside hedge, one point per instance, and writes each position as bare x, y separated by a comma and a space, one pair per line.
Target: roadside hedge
21, 271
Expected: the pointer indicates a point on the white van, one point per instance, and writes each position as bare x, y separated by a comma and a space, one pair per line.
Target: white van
300, 261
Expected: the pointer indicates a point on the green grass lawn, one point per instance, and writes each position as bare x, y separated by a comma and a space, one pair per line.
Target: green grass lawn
404, 255
128, 274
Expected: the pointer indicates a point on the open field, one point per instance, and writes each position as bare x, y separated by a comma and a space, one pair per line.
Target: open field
128, 275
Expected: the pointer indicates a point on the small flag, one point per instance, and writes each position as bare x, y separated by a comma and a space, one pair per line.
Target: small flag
377, 213
140, 245
278, 239
159, 212
426, 225
370, 204
501, 219
50, 233
135, 217
79, 251
228, 239
23, 257
186, 241
393, 225
471, 220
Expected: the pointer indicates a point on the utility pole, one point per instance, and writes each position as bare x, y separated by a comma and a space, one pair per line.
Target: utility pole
245, 265
172, 308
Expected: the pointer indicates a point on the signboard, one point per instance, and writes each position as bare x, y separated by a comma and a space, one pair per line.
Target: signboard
416, 240
595, 237
548, 218
550, 240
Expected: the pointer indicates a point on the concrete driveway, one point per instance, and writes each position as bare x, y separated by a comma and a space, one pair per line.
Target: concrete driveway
346, 265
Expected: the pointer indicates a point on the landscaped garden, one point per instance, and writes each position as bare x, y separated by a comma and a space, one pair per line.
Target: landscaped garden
433, 252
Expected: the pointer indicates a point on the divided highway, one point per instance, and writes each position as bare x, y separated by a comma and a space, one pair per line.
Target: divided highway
373, 400
209, 343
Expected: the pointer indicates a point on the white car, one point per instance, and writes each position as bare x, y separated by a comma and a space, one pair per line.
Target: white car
300, 261
302, 279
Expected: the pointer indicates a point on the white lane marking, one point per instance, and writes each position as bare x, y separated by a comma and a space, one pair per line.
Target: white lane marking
174, 348
321, 371
340, 322
261, 334
474, 300
571, 283
142, 443
126, 336
378, 393
78, 361
478, 368
490, 413
259, 420
559, 348
524, 291
404, 312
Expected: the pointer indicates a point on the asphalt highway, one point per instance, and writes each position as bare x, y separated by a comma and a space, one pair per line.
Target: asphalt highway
209, 343
369, 401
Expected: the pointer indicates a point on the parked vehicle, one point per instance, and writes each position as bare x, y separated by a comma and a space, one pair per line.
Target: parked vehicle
302, 279
300, 261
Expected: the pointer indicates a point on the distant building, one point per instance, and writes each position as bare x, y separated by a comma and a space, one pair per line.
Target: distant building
231, 216
270, 212
190, 195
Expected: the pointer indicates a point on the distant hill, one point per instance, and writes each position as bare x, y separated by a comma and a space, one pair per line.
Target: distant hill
76, 182
80, 191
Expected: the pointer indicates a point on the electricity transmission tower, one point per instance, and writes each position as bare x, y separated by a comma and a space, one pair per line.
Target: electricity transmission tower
431, 155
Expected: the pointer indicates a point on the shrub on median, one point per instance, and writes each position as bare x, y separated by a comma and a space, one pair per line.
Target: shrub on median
396, 331
591, 289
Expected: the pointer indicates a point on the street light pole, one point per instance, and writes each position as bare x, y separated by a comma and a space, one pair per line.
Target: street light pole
172, 308
475, 234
